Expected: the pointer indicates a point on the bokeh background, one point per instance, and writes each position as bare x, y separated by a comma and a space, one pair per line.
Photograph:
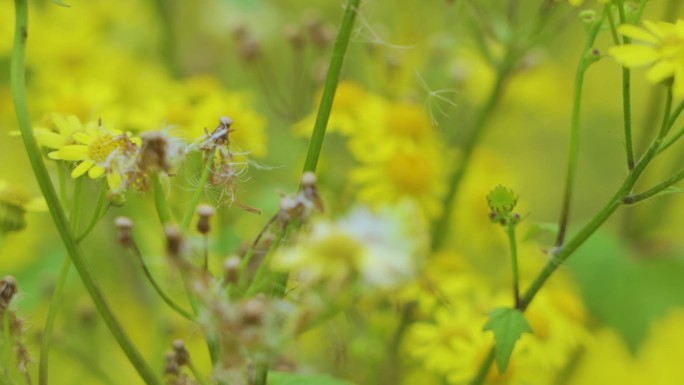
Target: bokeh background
614, 314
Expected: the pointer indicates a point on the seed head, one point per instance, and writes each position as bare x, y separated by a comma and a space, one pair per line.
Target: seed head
124, 224
174, 241
231, 269
205, 212
8, 288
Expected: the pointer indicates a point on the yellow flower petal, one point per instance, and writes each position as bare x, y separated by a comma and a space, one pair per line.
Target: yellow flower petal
84, 138
678, 87
660, 71
632, 56
114, 181
96, 172
82, 168
636, 33
49, 139
70, 152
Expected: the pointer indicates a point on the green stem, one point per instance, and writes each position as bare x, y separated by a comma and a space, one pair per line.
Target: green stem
560, 255
510, 231
573, 153
636, 198
17, 76
441, 225
98, 213
50, 322
484, 369
199, 190
76, 204
626, 97
160, 201
330, 86
157, 288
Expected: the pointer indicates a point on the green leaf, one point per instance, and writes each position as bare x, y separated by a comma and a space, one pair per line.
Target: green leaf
282, 378
508, 325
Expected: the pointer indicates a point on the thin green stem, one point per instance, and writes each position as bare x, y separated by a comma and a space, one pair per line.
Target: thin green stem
98, 213
441, 225
561, 254
330, 86
172, 304
484, 369
76, 204
512, 243
199, 190
660, 187
160, 201
573, 153
46, 338
626, 96
18, 76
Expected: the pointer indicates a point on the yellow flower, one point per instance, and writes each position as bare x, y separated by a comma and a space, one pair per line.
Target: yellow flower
391, 174
99, 151
61, 132
663, 51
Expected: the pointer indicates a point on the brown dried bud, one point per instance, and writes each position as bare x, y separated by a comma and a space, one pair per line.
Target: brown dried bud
174, 241
182, 355
231, 269
310, 190
253, 311
153, 152
171, 368
295, 37
124, 224
8, 288
250, 50
205, 212
321, 36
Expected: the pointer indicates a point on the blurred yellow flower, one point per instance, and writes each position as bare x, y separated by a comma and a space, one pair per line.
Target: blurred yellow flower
14, 203
663, 51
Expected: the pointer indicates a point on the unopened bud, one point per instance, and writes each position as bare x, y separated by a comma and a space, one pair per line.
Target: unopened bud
171, 368
205, 212
182, 355
225, 121
253, 311
124, 224
174, 241
231, 269
295, 37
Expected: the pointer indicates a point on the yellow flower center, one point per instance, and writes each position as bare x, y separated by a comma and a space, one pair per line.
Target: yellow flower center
103, 146
409, 172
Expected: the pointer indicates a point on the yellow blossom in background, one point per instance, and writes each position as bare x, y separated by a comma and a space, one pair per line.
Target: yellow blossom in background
663, 51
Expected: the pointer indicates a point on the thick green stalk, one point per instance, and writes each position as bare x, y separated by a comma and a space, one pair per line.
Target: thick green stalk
50, 322
18, 70
330, 86
573, 153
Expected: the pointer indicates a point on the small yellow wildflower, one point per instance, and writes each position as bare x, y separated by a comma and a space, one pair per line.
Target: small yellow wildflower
99, 151
663, 51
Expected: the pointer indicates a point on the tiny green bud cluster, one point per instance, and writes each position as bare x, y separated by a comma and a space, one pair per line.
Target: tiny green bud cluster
502, 200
